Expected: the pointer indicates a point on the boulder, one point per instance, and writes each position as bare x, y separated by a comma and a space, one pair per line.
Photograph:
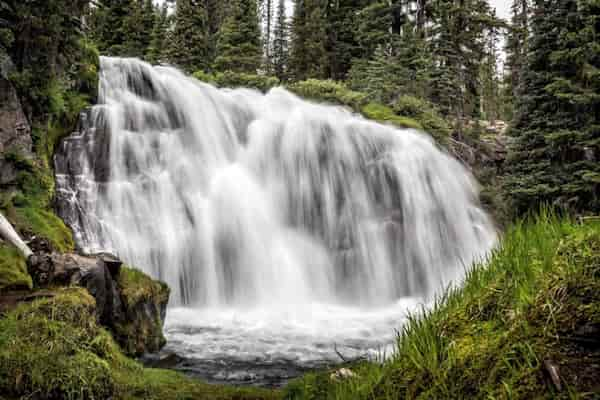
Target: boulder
92, 273
145, 309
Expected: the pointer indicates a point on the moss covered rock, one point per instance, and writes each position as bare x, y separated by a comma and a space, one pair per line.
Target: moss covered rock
145, 305
13, 270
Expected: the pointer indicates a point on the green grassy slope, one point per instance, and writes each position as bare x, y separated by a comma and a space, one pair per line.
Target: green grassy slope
536, 304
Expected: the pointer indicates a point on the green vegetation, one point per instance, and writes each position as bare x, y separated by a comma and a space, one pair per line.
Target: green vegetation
53, 348
238, 43
13, 270
557, 124
137, 287
490, 339
230, 79
28, 205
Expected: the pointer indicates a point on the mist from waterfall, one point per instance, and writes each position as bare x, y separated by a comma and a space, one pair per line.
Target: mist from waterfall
266, 204
238, 198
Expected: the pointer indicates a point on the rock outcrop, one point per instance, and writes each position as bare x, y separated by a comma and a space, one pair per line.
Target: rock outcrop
129, 303
15, 132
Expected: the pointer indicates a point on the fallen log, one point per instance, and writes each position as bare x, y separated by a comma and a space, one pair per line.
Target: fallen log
8, 233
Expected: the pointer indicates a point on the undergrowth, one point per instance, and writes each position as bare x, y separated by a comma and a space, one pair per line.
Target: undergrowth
529, 306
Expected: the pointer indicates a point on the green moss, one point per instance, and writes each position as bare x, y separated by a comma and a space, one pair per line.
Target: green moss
144, 299
53, 349
329, 91
230, 79
45, 224
425, 113
13, 270
381, 113
490, 338
137, 287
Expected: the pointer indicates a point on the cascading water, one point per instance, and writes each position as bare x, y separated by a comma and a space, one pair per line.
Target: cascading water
281, 226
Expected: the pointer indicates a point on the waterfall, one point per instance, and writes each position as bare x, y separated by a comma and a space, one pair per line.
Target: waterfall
243, 199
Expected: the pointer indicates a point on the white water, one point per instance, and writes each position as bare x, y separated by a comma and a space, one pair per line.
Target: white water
270, 215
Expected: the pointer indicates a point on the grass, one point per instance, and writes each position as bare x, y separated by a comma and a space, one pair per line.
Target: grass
53, 348
490, 338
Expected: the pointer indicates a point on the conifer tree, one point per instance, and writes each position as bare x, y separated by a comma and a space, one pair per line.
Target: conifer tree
267, 15
489, 76
156, 47
458, 46
556, 158
238, 44
107, 26
308, 54
516, 44
388, 75
280, 43
188, 42
342, 37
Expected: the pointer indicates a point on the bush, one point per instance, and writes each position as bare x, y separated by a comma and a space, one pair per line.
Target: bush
329, 91
230, 79
425, 113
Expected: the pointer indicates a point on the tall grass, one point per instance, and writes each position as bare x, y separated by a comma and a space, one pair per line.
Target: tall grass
488, 338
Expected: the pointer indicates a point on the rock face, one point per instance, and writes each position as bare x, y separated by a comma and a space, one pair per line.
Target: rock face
130, 304
15, 132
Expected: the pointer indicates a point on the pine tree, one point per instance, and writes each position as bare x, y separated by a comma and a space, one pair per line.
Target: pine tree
188, 42
280, 43
489, 76
516, 50
156, 47
406, 71
458, 46
308, 54
238, 44
267, 8
107, 26
556, 158
342, 37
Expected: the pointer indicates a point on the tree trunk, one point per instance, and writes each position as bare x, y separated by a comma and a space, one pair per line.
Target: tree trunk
8, 233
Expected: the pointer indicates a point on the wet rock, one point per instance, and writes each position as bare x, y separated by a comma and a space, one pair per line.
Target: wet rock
342, 374
161, 360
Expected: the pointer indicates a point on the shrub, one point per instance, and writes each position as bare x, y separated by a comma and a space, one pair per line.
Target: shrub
425, 113
329, 91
